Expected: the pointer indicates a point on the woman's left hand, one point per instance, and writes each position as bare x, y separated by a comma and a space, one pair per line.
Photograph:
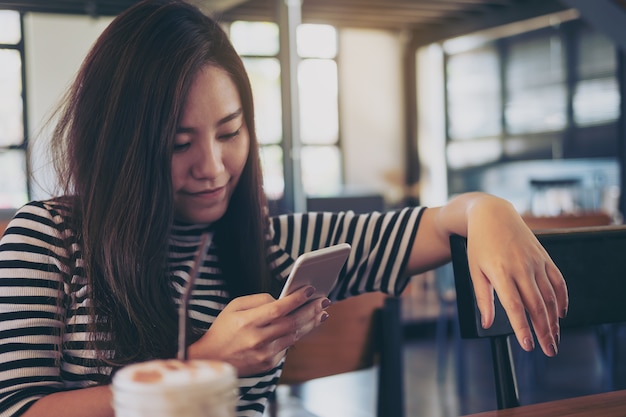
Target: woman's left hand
504, 255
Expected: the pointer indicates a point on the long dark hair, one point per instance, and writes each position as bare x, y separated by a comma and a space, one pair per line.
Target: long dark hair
113, 148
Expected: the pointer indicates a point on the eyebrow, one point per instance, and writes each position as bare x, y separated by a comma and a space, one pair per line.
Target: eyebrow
220, 122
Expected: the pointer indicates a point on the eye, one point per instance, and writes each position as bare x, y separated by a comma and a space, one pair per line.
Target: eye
231, 135
181, 147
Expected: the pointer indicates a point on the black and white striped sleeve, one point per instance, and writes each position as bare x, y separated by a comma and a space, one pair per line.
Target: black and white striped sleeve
381, 244
32, 260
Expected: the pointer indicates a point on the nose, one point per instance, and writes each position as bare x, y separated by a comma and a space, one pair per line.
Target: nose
208, 163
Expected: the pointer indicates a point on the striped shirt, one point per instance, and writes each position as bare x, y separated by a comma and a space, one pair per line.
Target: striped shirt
43, 306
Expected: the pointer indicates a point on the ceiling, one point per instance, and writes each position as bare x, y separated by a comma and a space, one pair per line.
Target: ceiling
427, 20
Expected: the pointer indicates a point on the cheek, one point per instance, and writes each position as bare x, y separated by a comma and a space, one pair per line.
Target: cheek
177, 172
239, 156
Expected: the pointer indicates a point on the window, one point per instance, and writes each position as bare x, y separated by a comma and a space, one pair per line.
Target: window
596, 94
474, 89
321, 162
258, 44
13, 166
545, 94
535, 85
474, 103
319, 113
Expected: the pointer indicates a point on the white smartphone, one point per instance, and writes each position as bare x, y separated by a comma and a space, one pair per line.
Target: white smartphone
319, 268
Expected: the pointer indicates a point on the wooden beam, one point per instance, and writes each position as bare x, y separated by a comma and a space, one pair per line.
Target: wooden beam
213, 6
496, 17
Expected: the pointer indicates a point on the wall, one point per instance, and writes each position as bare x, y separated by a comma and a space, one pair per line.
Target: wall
371, 110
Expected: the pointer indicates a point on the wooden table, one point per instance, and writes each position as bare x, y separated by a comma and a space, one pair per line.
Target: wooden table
610, 404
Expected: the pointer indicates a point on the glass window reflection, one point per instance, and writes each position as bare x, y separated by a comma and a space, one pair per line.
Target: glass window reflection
265, 79
317, 80
273, 174
321, 170
255, 38
10, 32
473, 87
536, 90
316, 41
11, 105
13, 179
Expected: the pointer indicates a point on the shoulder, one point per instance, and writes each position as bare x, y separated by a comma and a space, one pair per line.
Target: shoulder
45, 220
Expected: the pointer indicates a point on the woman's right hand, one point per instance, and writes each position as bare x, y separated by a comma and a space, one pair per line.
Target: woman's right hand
252, 332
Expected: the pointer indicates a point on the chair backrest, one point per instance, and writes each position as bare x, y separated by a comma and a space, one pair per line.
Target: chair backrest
361, 332
567, 221
3, 226
593, 263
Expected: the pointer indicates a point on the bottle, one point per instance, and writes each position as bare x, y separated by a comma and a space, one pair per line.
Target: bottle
175, 388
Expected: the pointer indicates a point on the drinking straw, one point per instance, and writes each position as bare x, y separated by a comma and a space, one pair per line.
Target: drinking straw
184, 302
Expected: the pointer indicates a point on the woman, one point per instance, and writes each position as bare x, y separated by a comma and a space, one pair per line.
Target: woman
156, 147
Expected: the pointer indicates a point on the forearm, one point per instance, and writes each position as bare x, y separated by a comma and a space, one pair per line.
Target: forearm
86, 402
469, 210
461, 215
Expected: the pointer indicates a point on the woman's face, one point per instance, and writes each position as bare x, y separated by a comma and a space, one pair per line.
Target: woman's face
210, 148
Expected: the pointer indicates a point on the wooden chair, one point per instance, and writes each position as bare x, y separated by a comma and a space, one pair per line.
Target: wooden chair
593, 263
568, 221
362, 332
3, 226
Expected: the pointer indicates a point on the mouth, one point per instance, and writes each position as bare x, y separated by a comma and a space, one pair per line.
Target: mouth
206, 193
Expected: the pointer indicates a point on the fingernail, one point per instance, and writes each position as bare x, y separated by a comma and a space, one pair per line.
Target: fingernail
482, 322
555, 351
324, 317
529, 343
325, 303
309, 292
564, 313
557, 339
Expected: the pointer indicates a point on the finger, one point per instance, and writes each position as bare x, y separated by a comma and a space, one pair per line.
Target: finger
270, 312
543, 312
484, 298
560, 288
515, 308
298, 323
249, 302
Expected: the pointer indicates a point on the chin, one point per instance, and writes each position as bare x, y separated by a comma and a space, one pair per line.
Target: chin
204, 216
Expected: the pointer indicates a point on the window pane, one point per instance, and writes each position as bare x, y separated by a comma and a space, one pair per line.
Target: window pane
13, 192
317, 80
321, 170
473, 94
10, 27
535, 78
11, 106
535, 62
316, 41
273, 175
476, 152
264, 76
596, 101
597, 56
255, 38
536, 110
596, 96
